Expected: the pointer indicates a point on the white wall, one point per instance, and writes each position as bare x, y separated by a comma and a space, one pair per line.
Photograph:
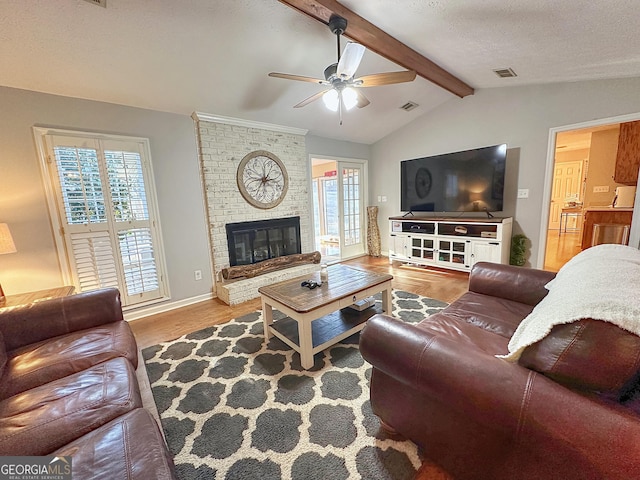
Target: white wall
320, 146
602, 166
518, 116
22, 200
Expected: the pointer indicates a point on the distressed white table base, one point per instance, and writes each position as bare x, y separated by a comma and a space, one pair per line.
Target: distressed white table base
304, 321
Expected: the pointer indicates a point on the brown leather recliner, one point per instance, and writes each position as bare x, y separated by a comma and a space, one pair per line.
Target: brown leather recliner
68, 387
566, 410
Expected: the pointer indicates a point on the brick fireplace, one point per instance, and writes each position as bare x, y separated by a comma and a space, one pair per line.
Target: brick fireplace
222, 143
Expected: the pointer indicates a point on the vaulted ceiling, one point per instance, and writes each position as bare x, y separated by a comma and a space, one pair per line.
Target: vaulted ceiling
213, 56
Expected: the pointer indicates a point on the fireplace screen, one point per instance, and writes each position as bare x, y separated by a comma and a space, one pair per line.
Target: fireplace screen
253, 242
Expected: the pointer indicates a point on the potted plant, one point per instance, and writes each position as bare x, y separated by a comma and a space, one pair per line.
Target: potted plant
518, 250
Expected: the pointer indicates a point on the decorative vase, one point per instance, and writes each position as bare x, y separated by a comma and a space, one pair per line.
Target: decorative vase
373, 232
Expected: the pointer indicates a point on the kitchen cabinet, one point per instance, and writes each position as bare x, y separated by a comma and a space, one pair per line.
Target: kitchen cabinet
593, 215
628, 156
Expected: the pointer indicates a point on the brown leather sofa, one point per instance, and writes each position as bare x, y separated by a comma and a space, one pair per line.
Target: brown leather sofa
68, 387
567, 409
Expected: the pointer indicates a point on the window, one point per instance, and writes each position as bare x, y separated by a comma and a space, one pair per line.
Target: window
104, 208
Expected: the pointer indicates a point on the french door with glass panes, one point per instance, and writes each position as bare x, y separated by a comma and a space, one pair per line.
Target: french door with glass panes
351, 193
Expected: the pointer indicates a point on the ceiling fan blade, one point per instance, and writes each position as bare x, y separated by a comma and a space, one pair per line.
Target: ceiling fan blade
389, 78
350, 60
310, 99
362, 100
300, 78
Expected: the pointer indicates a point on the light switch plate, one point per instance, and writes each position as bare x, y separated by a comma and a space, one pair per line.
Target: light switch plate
523, 193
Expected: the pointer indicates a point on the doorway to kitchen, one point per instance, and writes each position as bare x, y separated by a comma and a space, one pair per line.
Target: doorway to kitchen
580, 190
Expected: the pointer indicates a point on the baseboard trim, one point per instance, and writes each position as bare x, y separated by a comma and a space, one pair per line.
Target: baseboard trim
165, 307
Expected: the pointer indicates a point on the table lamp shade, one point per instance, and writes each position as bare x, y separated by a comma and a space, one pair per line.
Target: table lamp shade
6, 241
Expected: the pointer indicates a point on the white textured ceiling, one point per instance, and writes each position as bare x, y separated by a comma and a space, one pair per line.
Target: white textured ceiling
213, 56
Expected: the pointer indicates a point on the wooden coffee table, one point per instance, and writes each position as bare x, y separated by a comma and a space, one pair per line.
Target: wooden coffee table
317, 319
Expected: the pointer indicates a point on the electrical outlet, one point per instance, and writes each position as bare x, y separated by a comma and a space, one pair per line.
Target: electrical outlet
523, 193
601, 189
197, 274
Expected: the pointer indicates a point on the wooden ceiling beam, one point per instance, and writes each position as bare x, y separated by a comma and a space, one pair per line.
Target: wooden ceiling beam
380, 42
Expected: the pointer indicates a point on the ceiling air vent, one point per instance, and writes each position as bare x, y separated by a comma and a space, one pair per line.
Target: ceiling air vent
505, 73
407, 107
100, 3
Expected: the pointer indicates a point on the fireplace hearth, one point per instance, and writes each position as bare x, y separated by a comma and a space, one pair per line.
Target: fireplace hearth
255, 241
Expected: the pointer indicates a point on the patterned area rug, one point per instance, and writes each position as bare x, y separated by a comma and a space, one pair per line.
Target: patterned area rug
233, 407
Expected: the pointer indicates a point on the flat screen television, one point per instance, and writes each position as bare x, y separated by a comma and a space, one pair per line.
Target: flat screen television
468, 181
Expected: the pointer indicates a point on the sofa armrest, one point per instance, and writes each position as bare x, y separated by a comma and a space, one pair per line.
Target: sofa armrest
458, 375
35, 322
530, 411
519, 284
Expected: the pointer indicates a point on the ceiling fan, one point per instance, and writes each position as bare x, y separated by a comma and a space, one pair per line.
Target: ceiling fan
344, 91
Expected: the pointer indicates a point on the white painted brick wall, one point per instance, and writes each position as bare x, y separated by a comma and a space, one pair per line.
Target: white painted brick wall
221, 149
241, 290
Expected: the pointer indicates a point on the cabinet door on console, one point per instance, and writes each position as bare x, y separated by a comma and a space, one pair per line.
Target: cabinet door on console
485, 252
453, 253
422, 247
399, 246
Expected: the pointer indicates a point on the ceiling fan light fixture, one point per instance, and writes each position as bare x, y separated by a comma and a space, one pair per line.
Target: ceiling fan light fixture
343, 93
349, 98
331, 100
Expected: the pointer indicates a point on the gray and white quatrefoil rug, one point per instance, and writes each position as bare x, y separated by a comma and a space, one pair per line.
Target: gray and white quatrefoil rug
235, 408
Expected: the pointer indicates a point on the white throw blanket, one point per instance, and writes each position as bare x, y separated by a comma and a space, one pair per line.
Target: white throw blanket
602, 282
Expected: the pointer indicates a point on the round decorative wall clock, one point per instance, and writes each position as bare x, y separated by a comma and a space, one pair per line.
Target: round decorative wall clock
423, 182
262, 179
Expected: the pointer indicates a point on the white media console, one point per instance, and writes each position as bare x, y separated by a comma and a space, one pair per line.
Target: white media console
455, 243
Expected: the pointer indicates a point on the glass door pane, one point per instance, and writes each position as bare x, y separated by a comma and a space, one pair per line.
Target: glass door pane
276, 243
290, 241
352, 234
260, 246
326, 209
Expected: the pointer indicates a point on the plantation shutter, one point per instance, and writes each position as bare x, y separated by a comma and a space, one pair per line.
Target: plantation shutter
104, 206
94, 260
131, 218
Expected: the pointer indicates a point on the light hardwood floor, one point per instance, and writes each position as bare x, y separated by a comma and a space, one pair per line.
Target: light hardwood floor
439, 284
561, 248
445, 285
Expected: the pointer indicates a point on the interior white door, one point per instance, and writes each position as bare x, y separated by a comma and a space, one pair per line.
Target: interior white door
352, 214
566, 183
